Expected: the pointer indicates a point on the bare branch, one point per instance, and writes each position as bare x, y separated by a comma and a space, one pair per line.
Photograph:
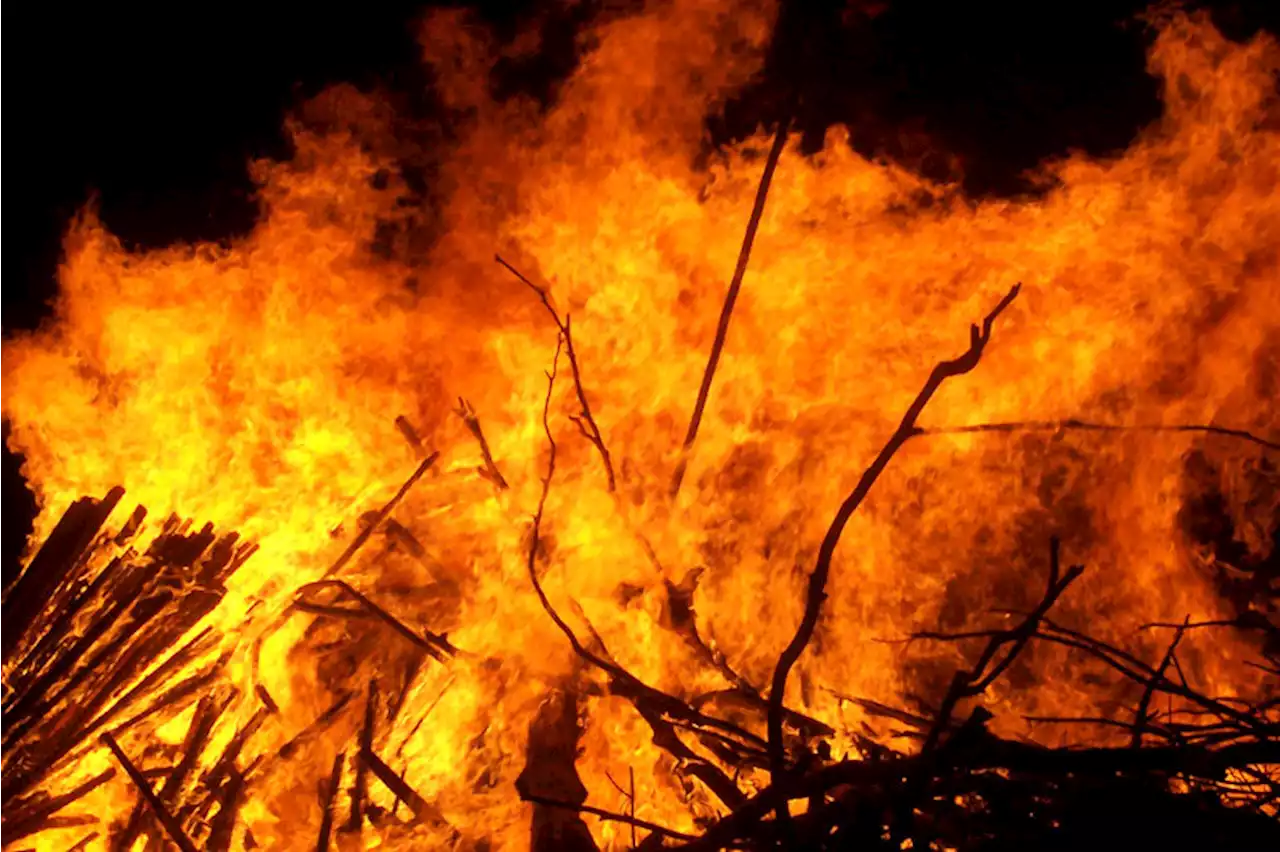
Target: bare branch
730, 298
653, 705
585, 421
608, 815
978, 338
983, 673
1140, 718
1084, 426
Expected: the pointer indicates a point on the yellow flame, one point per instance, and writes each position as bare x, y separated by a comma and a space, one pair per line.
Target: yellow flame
256, 385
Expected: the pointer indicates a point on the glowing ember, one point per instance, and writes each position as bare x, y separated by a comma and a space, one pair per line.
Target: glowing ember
257, 386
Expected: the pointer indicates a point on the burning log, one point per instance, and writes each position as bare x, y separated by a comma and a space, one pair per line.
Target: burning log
101, 641
359, 788
201, 727
421, 808
53, 568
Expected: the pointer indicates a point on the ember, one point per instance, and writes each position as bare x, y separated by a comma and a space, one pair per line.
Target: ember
954, 522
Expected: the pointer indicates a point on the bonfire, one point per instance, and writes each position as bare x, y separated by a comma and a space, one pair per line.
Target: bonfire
901, 521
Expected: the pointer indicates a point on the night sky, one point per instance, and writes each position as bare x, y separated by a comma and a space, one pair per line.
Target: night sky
158, 113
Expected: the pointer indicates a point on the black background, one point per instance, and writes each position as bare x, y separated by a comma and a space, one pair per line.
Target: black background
157, 112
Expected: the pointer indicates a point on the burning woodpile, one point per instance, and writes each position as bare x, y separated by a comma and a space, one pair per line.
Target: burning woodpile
563, 548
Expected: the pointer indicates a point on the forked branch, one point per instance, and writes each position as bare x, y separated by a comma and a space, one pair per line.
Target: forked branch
655, 706
988, 668
907, 429
585, 421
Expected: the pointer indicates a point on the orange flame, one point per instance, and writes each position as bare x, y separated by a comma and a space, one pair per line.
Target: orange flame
256, 385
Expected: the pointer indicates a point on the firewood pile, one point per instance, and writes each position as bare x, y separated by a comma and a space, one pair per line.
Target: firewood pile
93, 644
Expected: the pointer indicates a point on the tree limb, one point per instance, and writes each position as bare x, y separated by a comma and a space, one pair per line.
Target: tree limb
978, 338
585, 421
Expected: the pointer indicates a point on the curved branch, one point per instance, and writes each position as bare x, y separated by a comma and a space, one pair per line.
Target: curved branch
586, 422
978, 338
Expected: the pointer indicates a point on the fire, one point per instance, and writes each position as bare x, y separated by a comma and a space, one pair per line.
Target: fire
256, 385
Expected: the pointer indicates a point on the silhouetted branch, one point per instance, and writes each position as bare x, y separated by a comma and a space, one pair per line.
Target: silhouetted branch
608, 815
978, 338
652, 704
971, 683
1140, 720
585, 421
730, 299
1085, 426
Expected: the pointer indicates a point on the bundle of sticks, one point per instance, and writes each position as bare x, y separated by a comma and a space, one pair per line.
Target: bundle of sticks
93, 634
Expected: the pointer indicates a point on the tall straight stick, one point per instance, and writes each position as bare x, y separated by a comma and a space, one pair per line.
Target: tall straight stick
726, 312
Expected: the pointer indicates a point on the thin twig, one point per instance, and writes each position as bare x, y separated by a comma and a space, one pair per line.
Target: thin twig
171, 825
1085, 426
651, 703
631, 772
978, 338
610, 816
384, 513
1140, 719
418, 724
971, 683
730, 298
585, 421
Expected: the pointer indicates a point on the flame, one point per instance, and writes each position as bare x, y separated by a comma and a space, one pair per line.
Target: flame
256, 385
